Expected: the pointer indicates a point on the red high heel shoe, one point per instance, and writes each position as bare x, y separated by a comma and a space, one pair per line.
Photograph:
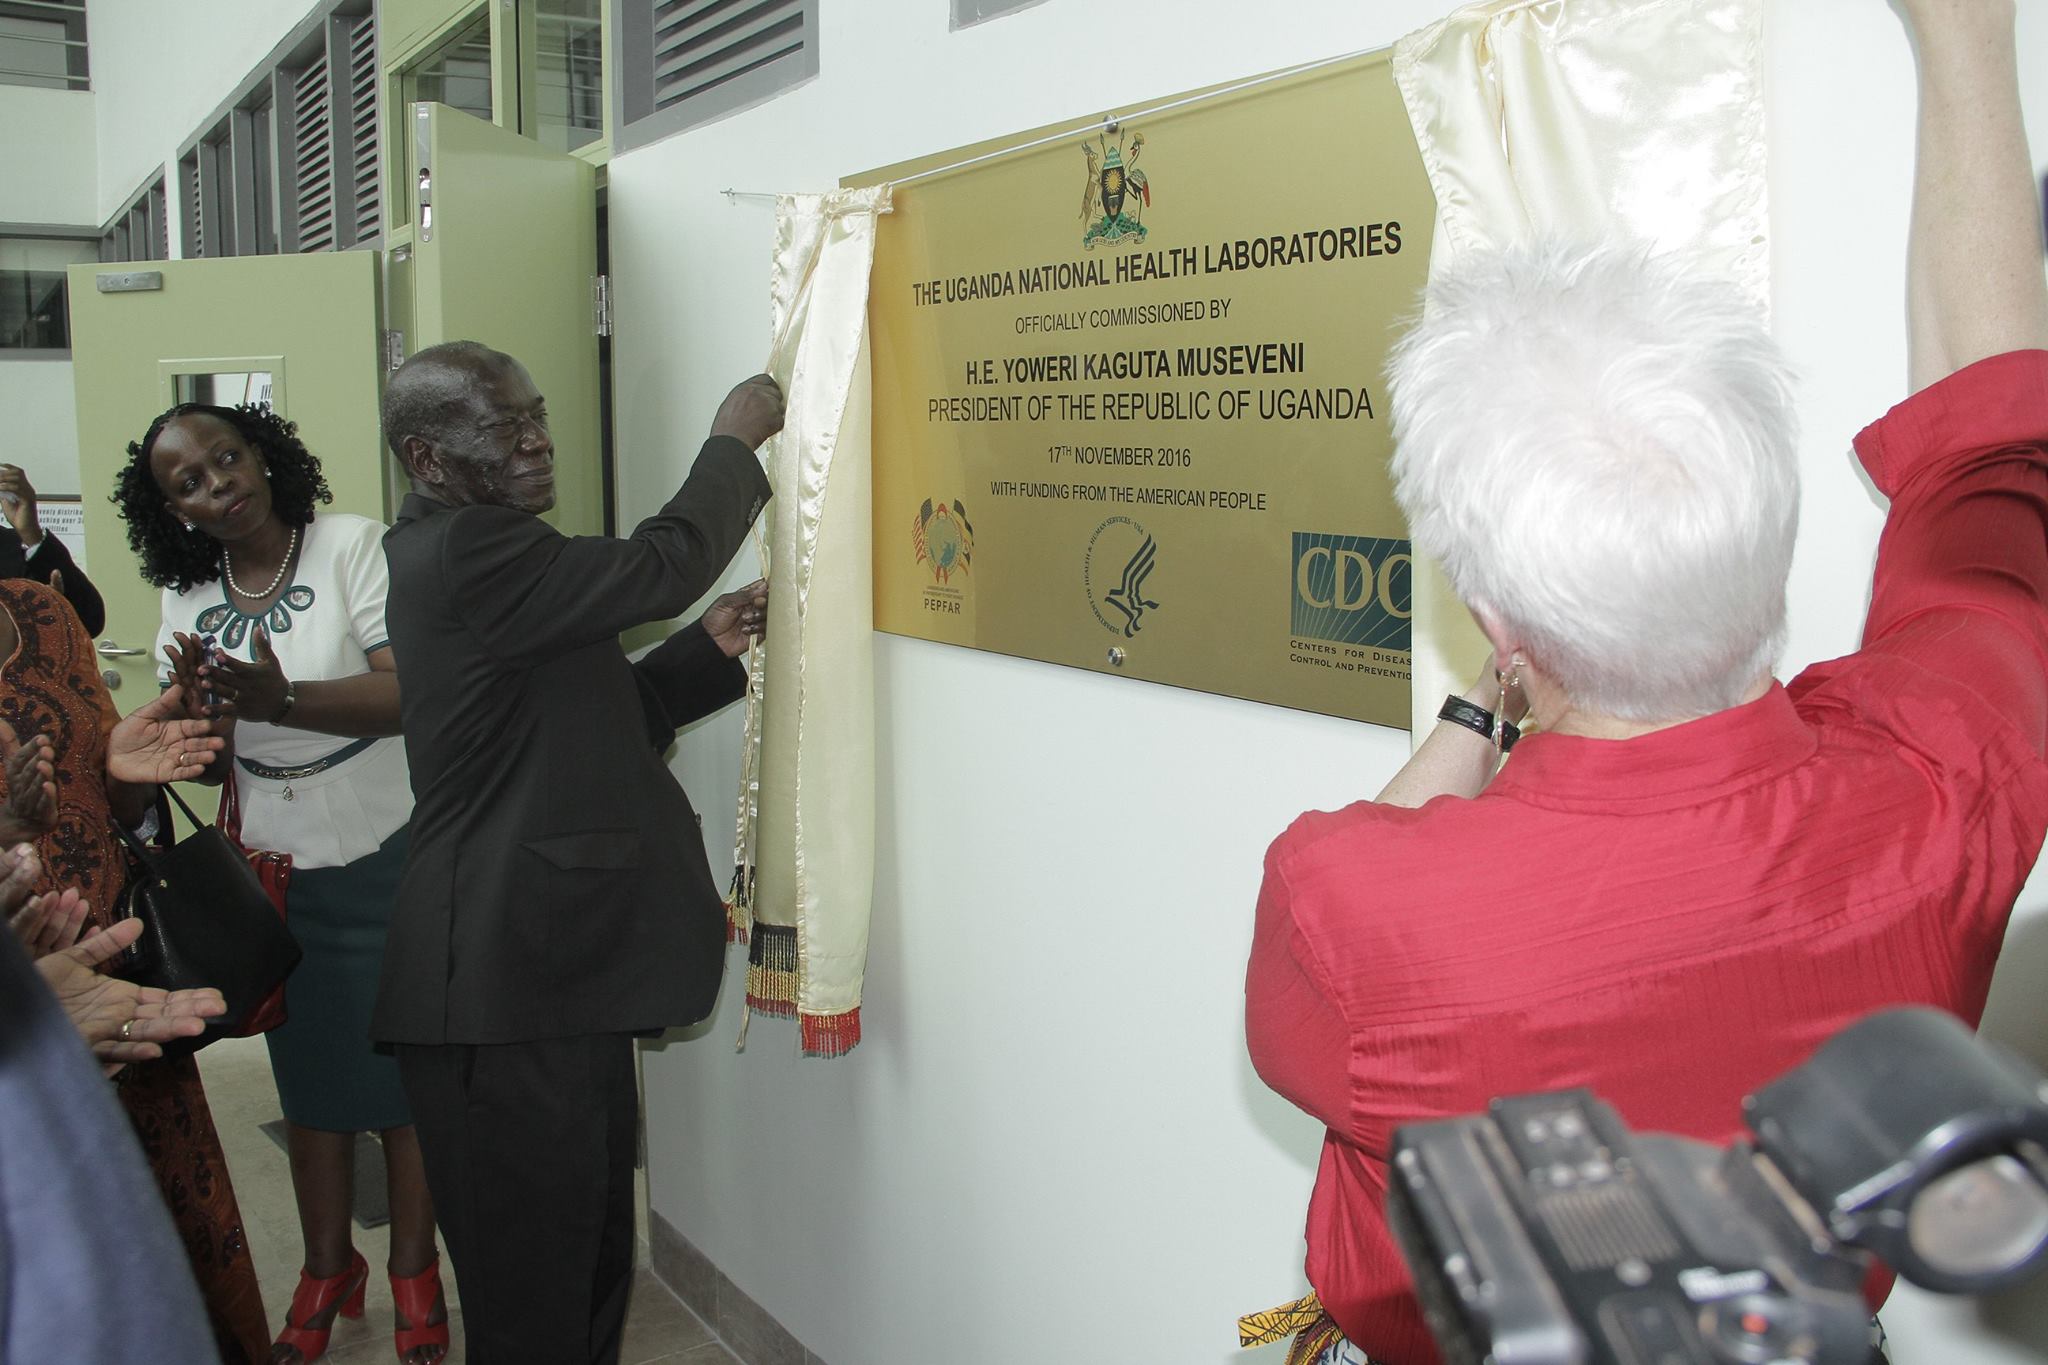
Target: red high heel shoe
314, 1297
414, 1298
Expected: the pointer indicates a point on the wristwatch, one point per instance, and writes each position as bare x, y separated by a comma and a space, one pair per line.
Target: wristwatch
1479, 720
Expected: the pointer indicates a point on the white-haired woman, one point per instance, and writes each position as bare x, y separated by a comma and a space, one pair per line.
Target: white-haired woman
1692, 875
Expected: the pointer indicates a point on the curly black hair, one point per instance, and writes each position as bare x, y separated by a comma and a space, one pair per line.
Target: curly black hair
173, 557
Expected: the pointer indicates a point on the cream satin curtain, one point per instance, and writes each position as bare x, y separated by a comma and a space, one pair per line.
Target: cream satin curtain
806, 821
1589, 120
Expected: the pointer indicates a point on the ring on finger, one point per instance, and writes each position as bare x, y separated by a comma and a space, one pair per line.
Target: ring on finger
127, 1029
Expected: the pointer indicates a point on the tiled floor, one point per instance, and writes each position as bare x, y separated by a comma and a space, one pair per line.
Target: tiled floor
242, 1096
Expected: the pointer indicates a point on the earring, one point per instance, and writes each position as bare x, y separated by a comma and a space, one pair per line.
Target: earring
190, 527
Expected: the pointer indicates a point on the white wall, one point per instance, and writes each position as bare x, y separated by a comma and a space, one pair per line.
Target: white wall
75, 157
1050, 1147
41, 422
161, 68
46, 178
46, 157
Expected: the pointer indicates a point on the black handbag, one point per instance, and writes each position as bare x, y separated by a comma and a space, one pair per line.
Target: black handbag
207, 921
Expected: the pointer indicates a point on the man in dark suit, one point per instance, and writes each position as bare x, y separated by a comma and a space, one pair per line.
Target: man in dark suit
556, 899
32, 552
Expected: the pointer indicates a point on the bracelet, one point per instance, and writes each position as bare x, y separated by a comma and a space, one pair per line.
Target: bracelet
1478, 720
291, 699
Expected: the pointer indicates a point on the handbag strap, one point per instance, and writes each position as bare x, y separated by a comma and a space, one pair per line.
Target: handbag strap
144, 854
230, 821
170, 789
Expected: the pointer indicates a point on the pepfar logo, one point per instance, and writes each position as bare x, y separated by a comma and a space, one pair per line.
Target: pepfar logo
1352, 590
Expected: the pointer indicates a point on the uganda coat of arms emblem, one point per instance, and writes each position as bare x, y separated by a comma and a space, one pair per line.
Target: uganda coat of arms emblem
1114, 184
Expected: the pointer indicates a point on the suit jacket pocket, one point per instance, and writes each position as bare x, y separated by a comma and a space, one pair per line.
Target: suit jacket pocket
589, 848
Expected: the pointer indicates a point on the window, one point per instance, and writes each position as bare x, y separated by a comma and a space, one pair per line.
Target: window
42, 43
968, 12
291, 163
569, 70
140, 231
686, 62
35, 317
459, 74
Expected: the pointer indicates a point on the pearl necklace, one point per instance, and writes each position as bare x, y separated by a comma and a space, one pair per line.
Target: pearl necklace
227, 565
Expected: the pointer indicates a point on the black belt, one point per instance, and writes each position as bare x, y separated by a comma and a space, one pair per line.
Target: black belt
318, 765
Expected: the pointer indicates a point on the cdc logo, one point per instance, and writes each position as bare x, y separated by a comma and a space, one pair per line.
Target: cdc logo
1352, 590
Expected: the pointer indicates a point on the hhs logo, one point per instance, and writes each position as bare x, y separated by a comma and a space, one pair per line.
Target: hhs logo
1352, 590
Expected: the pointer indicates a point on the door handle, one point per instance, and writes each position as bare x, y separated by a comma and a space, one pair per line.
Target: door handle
109, 650
423, 141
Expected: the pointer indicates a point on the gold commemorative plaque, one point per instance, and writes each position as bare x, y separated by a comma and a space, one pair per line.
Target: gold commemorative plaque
1129, 405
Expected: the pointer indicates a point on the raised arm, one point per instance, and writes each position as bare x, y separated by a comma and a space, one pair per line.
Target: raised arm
1961, 588
530, 592
1974, 280
527, 591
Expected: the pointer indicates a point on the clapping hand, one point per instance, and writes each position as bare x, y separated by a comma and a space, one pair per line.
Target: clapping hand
50, 921
256, 689
27, 918
121, 1021
18, 498
188, 653
31, 768
160, 743
738, 618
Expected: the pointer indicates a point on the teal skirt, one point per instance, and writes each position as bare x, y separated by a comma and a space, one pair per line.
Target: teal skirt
329, 1075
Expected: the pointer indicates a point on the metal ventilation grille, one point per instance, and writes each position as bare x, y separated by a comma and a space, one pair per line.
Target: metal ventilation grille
159, 211
700, 45
1601, 1224
197, 246
362, 67
313, 146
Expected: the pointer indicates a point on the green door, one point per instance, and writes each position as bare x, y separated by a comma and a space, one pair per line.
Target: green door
504, 252
301, 329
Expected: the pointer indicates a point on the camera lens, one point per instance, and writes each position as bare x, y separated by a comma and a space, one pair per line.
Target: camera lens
1986, 1218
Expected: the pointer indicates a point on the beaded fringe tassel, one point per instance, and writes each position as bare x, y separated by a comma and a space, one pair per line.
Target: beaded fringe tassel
831, 1035
739, 902
773, 972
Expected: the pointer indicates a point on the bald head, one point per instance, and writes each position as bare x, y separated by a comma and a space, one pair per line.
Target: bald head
433, 394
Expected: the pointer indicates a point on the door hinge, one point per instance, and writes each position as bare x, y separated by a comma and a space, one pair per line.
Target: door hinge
394, 350
601, 305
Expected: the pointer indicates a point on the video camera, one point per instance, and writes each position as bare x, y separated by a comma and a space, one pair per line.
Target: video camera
1545, 1232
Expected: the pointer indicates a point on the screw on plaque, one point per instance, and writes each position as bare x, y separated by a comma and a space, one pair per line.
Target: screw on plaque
1116, 656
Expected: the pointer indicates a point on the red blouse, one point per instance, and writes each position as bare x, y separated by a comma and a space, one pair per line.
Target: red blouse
1674, 919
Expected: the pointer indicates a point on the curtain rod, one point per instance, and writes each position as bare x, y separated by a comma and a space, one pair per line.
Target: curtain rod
1109, 123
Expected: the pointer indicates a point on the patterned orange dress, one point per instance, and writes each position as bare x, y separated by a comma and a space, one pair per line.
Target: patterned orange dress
51, 686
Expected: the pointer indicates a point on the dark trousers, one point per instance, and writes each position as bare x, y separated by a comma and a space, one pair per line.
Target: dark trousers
529, 1152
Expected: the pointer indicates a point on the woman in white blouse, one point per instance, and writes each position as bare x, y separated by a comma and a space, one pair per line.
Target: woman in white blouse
273, 619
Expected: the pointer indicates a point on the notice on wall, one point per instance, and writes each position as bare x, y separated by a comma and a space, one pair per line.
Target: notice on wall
63, 516
1130, 410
